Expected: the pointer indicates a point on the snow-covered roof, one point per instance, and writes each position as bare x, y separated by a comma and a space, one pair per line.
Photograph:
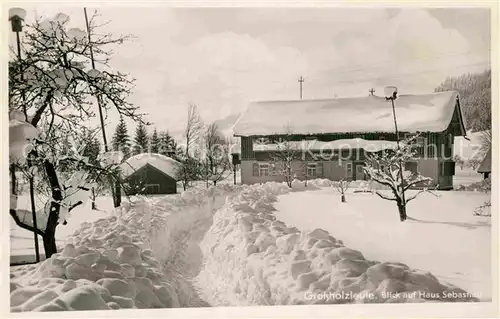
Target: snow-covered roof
161, 162
425, 113
486, 164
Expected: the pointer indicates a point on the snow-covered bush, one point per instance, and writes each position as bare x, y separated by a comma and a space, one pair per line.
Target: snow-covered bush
258, 260
481, 186
320, 182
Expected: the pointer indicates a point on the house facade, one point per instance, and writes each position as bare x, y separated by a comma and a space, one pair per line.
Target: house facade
332, 138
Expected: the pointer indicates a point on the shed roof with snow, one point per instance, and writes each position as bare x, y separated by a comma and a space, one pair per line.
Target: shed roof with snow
486, 164
161, 162
415, 113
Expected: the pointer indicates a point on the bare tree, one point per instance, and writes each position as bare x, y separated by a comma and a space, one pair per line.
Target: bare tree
55, 91
342, 187
194, 127
216, 156
385, 167
459, 161
189, 170
474, 162
286, 153
486, 140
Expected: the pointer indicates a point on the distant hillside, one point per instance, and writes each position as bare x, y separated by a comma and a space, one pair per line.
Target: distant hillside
475, 96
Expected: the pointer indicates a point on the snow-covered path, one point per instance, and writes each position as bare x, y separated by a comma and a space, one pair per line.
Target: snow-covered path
444, 237
187, 260
146, 254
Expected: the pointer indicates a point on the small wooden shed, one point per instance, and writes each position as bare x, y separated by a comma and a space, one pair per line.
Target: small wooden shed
149, 174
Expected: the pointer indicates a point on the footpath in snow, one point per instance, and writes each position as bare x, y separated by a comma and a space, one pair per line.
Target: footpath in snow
142, 257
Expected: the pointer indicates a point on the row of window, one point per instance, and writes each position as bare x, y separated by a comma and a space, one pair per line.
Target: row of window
313, 169
419, 141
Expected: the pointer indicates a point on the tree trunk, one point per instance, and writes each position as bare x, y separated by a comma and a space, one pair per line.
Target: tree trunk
343, 198
49, 238
402, 211
12, 168
94, 207
118, 191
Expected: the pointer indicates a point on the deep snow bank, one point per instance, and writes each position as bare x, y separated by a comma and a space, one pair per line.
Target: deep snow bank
253, 259
124, 261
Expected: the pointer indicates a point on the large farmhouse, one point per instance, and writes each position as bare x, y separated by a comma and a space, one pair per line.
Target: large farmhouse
335, 135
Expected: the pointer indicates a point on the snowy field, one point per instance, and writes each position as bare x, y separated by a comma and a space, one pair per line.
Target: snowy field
261, 245
466, 176
443, 236
257, 256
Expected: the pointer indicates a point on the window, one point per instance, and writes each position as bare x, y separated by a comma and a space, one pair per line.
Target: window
348, 169
262, 141
447, 168
263, 169
359, 169
412, 167
420, 141
312, 169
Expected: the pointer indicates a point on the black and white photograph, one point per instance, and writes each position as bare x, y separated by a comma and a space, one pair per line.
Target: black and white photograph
167, 156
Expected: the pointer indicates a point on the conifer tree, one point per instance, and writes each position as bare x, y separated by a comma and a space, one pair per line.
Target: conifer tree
91, 151
121, 139
141, 139
167, 145
154, 142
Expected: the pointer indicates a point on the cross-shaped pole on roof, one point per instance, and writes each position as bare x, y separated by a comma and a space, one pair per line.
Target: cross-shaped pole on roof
372, 90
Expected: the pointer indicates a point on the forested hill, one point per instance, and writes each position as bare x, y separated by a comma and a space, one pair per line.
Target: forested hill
475, 93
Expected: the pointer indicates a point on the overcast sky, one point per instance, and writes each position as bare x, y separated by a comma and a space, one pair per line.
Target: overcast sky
222, 58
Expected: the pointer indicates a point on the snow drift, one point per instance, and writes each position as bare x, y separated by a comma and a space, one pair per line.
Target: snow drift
130, 260
255, 259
